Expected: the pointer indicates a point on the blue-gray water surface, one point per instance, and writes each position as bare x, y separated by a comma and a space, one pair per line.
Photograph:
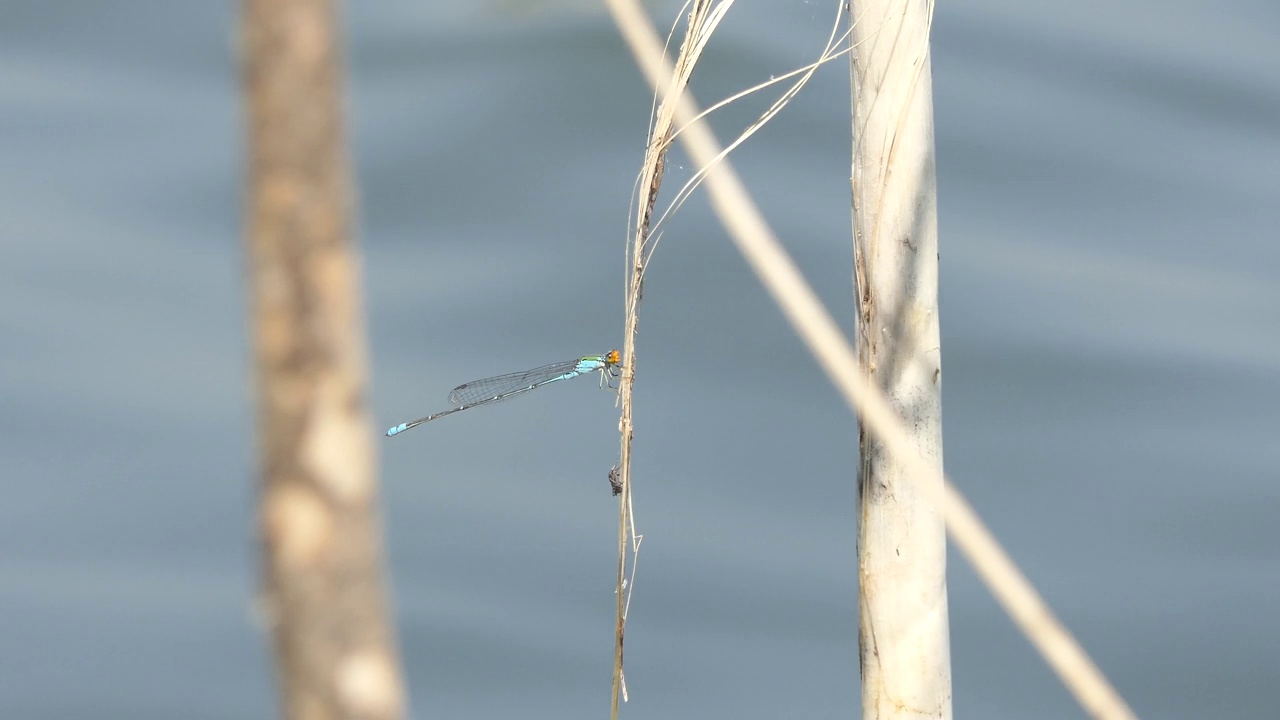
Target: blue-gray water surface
1111, 346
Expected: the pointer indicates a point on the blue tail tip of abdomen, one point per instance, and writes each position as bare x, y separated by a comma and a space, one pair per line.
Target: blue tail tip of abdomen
399, 428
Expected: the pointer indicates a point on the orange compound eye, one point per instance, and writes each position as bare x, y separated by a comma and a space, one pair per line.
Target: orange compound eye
613, 358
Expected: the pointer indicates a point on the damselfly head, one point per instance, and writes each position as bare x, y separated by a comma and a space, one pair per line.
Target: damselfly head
613, 358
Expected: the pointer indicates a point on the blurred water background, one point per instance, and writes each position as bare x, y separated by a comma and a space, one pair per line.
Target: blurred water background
1111, 354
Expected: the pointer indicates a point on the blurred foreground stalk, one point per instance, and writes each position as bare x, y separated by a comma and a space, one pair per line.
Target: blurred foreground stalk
324, 596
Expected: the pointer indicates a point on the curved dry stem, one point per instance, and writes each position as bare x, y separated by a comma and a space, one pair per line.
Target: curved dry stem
704, 16
829, 53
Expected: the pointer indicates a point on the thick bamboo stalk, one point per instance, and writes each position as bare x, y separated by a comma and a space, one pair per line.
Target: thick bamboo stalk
903, 627
323, 586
